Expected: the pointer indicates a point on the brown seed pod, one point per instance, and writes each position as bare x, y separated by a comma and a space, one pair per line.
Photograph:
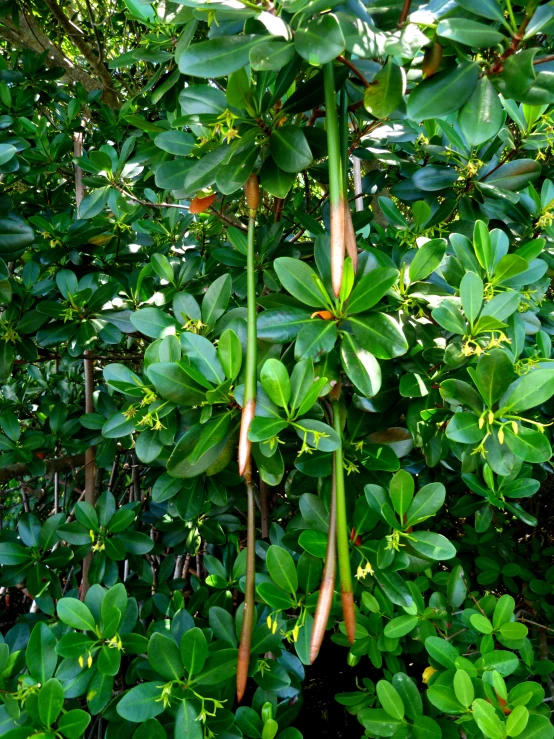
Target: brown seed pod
431, 60
252, 192
199, 205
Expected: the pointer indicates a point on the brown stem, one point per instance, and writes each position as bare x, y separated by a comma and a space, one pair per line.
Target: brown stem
249, 605
264, 508
327, 588
90, 465
354, 69
544, 60
497, 66
404, 13
148, 204
77, 152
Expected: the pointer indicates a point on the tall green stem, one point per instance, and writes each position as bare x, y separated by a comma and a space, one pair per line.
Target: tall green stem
336, 183
349, 233
245, 466
343, 549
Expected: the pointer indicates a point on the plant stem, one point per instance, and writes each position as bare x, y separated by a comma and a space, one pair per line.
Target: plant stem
245, 464
336, 183
90, 465
327, 588
249, 605
343, 548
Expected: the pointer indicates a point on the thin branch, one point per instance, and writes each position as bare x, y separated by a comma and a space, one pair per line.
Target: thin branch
544, 60
404, 13
353, 69
16, 471
497, 66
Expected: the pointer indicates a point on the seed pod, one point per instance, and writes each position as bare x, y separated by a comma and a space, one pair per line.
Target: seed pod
199, 205
431, 60
252, 192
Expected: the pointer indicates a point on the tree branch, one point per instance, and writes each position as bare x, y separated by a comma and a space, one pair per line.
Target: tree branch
29, 35
15, 471
77, 37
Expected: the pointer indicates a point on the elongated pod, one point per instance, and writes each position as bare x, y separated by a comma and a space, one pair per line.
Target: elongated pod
252, 194
327, 589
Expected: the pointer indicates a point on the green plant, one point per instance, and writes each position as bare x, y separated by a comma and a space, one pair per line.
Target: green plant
276, 363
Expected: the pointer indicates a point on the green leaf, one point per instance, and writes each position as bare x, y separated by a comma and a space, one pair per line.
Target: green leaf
470, 33
220, 667
400, 626
232, 176
380, 334
282, 569
164, 656
274, 596
314, 512
175, 142
271, 55
141, 703
464, 428
194, 651
219, 56
463, 687
481, 623
50, 701
317, 435
203, 173
401, 492
517, 720
15, 236
319, 40
442, 652
427, 259
276, 382
290, 150
73, 724
426, 503
299, 280
274, 180
187, 725
173, 383
426, 728
75, 614
503, 611
386, 90
216, 300
361, 367
40, 653
12, 553
443, 93
471, 293
514, 176
432, 178
449, 316
378, 722
528, 391
371, 288
153, 322
482, 116
94, 203
390, 700
487, 720
530, 446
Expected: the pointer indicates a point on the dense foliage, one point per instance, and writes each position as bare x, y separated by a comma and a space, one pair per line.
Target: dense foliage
276, 365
